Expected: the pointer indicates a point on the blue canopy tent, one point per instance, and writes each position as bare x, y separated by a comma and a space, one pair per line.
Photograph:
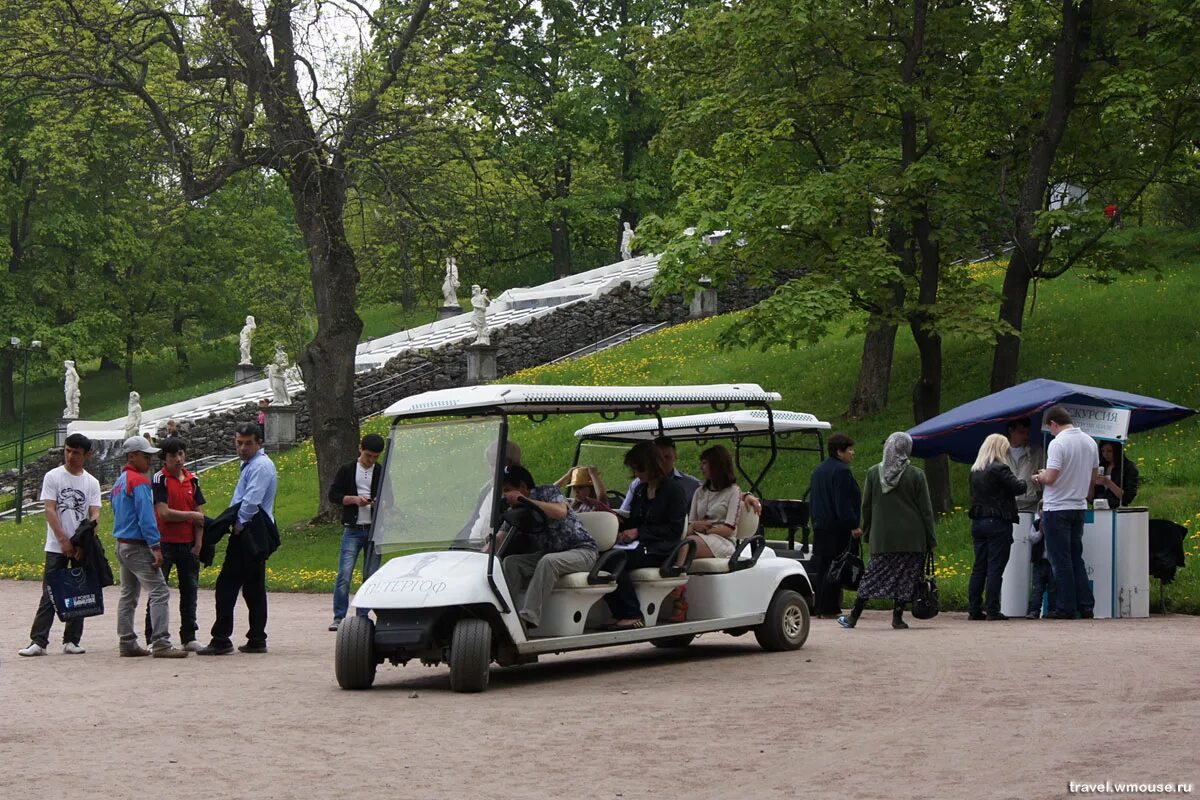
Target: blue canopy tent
960, 431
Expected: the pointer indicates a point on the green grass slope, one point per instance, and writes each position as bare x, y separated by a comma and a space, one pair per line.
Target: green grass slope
1138, 334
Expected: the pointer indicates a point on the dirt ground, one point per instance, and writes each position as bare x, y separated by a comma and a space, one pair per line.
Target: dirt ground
948, 709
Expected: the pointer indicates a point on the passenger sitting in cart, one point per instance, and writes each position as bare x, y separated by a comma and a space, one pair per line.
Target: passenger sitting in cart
586, 489
715, 506
657, 511
563, 544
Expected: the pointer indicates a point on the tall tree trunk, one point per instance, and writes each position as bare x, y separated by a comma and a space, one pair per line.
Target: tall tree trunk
1028, 253
328, 360
129, 362
875, 370
927, 393
181, 357
560, 230
8, 405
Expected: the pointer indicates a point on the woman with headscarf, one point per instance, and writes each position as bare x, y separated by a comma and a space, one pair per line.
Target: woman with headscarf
897, 523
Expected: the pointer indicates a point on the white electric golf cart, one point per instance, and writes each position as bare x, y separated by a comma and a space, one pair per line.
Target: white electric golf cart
445, 598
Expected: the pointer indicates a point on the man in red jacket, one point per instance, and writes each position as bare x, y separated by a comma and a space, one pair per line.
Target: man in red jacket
178, 507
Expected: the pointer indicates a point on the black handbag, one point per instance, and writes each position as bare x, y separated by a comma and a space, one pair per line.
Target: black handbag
75, 592
926, 604
847, 569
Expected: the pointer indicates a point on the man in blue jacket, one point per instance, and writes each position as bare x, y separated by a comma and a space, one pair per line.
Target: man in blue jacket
245, 568
835, 506
139, 552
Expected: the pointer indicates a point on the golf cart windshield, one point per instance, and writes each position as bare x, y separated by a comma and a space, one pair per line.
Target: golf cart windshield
437, 485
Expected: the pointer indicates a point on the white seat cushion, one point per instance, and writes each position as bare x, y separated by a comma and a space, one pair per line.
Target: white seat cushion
602, 525
579, 580
709, 566
646, 574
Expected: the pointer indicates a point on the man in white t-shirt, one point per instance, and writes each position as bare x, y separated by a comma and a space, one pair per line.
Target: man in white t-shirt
71, 497
1072, 461
356, 488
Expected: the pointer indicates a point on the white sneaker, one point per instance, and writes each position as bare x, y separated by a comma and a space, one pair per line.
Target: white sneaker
72, 649
193, 646
34, 649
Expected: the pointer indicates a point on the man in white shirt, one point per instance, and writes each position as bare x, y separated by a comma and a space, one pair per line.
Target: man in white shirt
71, 497
1072, 461
356, 489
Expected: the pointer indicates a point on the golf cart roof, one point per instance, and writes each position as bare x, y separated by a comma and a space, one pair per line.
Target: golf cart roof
703, 426
537, 399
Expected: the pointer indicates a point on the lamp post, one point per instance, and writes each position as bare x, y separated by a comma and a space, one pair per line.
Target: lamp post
25, 352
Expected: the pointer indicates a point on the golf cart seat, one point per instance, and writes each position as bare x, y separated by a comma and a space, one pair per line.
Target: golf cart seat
745, 535
652, 584
565, 611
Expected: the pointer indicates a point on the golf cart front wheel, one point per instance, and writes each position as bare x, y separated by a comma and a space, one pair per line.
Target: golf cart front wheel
786, 625
470, 655
354, 657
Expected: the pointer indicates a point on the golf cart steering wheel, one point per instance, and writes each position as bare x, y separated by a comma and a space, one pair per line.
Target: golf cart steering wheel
536, 515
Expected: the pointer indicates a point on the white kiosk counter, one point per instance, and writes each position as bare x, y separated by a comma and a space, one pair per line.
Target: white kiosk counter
1116, 552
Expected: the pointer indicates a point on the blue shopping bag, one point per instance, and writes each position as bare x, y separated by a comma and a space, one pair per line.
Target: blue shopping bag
75, 592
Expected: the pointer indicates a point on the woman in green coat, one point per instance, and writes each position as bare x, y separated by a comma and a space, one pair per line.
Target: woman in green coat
897, 522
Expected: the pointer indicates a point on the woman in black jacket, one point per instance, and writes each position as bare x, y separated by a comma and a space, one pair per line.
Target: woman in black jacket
994, 492
656, 515
1119, 483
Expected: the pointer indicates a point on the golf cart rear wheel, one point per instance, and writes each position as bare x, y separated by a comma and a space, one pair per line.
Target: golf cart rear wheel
786, 625
674, 642
354, 657
470, 655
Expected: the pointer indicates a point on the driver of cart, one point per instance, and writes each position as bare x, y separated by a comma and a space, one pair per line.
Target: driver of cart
586, 489
476, 531
666, 446
563, 544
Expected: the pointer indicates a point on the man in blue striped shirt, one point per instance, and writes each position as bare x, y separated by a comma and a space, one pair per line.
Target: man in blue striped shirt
243, 571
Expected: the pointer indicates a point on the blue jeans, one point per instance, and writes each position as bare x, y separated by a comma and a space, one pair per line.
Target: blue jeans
1064, 549
1043, 584
354, 541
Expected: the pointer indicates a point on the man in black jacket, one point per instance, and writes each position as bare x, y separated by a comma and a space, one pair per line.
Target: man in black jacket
355, 488
835, 506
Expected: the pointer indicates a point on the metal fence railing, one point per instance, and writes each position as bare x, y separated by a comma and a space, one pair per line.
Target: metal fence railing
35, 445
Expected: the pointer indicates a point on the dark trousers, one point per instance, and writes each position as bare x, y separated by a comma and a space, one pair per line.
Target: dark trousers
243, 573
623, 601
1064, 548
187, 567
827, 546
40, 632
993, 542
1043, 584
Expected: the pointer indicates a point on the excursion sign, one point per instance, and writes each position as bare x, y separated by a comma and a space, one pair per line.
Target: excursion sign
1099, 422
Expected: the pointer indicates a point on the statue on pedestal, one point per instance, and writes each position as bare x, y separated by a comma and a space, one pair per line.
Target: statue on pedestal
70, 390
479, 304
627, 242
277, 378
244, 341
450, 284
133, 419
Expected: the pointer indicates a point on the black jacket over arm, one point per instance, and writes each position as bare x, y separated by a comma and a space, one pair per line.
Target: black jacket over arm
659, 521
994, 492
344, 483
260, 537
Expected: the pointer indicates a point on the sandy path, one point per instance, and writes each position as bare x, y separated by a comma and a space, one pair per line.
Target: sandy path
948, 709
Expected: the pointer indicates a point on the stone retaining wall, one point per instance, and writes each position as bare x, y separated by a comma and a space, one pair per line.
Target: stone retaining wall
520, 346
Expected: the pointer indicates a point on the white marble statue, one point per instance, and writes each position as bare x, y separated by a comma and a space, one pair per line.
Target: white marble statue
450, 284
627, 242
244, 341
277, 378
133, 419
479, 304
70, 390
